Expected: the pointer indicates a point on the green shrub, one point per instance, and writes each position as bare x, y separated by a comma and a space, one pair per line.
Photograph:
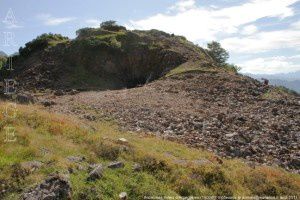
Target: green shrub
107, 151
111, 26
2, 61
152, 165
41, 42
232, 67
286, 90
84, 32
259, 185
186, 186
219, 54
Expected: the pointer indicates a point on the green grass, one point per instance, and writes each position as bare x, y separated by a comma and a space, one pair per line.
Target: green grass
163, 171
192, 67
201, 67
278, 92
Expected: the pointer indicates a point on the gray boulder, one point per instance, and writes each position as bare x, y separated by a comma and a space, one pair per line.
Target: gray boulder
53, 188
115, 165
96, 173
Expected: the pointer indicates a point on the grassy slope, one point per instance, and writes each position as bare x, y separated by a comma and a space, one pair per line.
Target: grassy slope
164, 172
198, 66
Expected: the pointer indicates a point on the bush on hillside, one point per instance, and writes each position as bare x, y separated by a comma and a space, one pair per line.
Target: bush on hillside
111, 26
219, 54
2, 61
41, 42
83, 32
232, 67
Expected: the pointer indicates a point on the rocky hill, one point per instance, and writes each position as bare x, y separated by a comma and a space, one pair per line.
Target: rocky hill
190, 100
116, 108
229, 114
102, 59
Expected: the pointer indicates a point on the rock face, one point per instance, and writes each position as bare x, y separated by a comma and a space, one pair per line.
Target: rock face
53, 188
112, 59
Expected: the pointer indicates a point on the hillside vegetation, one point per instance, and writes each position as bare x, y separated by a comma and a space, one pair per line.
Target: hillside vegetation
143, 112
109, 57
167, 168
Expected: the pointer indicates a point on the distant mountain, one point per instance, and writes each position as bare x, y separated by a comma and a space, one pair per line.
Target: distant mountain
2, 53
289, 80
294, 85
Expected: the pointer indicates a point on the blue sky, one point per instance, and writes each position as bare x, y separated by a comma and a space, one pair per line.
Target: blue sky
262, 36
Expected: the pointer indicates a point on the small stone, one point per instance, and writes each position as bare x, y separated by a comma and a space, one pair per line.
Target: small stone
81, 167
122, 141
90, 117
201, 162
76, 158
123, 196
229, 135
31, 165
137, 167
48, 103
295, 163
115, 165
73, 92
92, 166
59, 93
97, 173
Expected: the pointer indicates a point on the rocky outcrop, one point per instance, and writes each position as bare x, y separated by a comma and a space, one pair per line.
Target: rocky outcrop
104, 60
53, 188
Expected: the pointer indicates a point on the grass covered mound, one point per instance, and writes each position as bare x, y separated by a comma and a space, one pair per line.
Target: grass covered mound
41, 42
166, 168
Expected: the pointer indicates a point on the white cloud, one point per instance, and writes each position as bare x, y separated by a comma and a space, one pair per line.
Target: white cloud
94, 23
249, 30
53, 21
263, 41
295, 57
296, 25
271, 65
183, 5
204, 23
237, 28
